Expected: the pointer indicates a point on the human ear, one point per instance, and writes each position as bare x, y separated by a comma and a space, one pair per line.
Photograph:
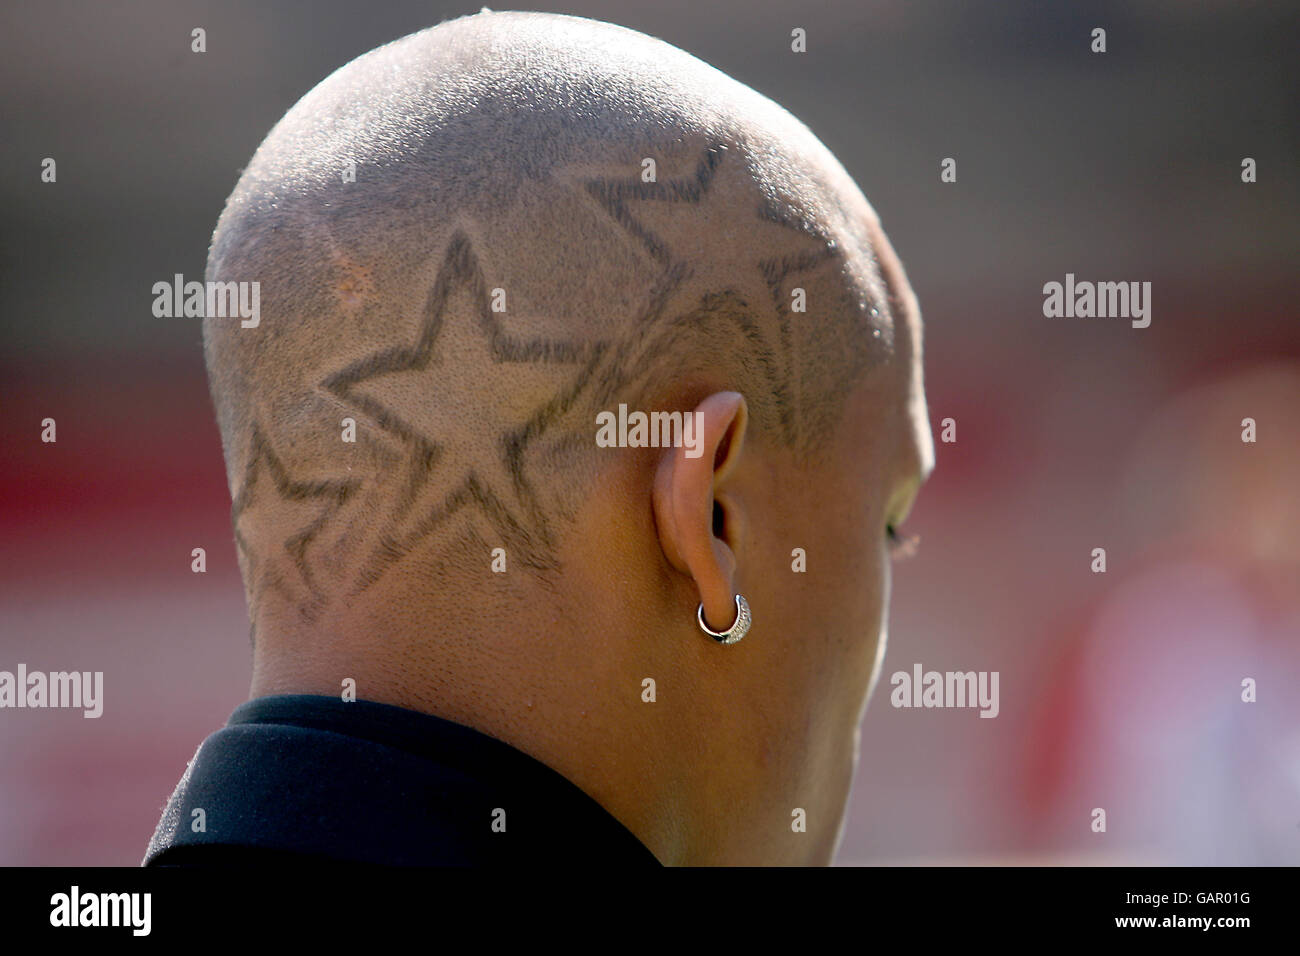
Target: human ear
696, 519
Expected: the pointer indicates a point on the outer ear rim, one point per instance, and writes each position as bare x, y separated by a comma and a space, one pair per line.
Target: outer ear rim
737, 428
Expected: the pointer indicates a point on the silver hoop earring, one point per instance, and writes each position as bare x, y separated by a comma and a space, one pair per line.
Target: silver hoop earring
737, 630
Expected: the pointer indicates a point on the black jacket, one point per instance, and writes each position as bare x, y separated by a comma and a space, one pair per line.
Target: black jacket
304, 779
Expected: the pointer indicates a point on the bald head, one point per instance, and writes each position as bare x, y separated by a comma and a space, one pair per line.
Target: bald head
472, 242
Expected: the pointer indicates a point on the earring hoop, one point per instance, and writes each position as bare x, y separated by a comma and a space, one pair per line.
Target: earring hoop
737, 630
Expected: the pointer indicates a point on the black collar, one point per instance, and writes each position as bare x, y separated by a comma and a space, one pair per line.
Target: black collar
298, 778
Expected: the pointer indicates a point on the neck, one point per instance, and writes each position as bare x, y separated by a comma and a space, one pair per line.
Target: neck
694, 777
573, 715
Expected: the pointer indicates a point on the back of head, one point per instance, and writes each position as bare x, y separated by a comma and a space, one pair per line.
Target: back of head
478, 248
471, 241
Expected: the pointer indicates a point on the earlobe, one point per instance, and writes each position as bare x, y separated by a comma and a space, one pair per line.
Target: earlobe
685, 491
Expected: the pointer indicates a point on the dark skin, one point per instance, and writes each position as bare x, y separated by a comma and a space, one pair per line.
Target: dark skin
680, 290
739, 737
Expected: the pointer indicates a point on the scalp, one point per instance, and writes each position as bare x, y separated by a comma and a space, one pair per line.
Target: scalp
505, 151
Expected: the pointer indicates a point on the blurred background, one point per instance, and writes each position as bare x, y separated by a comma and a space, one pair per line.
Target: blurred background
1119, 690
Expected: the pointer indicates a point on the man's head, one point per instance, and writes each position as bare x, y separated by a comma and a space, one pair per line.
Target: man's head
470, 244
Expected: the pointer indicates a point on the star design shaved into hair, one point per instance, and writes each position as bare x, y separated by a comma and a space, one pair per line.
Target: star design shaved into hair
652, 213
306, 504
473, 398
466, 399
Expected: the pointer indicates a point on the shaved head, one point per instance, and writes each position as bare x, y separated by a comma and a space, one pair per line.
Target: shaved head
508, 152
471, 242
